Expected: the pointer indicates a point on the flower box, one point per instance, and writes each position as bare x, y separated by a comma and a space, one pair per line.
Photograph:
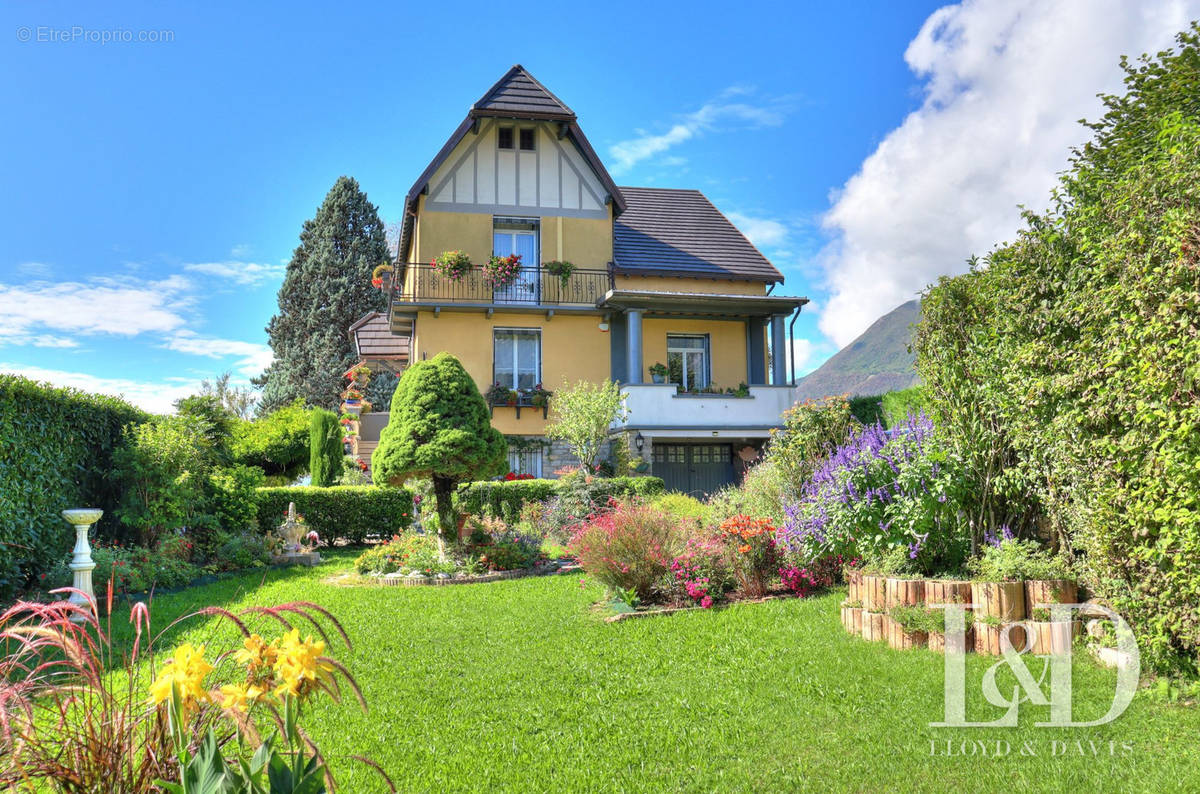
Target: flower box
1002, 600
904, 592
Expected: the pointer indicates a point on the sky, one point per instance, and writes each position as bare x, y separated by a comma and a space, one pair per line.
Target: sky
159, 160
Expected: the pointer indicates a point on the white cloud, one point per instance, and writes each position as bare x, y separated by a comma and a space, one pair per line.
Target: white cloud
763, 232
156, 397
252, 357
1005, 85
802, 353
39, 270
118, 306
238, 272
240, 251
713, 115
46, 340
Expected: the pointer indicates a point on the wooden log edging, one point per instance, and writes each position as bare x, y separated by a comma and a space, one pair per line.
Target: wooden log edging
899, 592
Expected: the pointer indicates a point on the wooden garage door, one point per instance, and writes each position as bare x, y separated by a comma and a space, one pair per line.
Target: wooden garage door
696, 469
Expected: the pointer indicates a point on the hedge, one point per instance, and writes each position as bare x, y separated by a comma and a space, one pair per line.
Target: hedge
57, 453
349, 512
504, 499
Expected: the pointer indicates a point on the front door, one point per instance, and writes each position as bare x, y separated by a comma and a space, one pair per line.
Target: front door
696, 469
517, 236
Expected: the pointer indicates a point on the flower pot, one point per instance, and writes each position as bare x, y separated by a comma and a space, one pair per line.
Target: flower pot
993, 640
904, 592
1003, 600
852, 619
947, 591
658, 378
873, 590
872, 626
1049, 591
1049, 637
938, 642
902, 639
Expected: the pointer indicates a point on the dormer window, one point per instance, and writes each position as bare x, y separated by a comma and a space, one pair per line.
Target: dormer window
527, 140
504, 138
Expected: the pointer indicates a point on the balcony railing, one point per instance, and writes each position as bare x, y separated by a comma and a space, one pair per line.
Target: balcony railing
534, 286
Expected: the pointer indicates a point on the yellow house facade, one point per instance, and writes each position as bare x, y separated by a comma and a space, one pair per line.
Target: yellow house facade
660, 293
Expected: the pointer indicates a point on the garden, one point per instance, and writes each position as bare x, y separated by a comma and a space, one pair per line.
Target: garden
787, 632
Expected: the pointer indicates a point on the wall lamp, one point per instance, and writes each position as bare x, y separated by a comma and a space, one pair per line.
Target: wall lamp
639, 441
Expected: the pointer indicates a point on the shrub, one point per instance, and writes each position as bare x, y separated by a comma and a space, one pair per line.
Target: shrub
325, 448
684, 507
276, 443
58, 447
867, 409
811, 430
163, 468
132, 569
404, 553
1008, 559
240, 550
899, 405
232, 496
751, 546
507, 499
351, 513
878, 492
629, 547
700, 573
501, 548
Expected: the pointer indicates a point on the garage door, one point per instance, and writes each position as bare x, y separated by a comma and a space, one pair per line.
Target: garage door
697, 469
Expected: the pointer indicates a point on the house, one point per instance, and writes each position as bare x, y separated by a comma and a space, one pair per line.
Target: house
656, 277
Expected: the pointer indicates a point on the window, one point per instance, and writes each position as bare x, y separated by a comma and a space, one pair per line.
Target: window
517, 236
504, 137
517, 361
527, 137
525, 461
687, 361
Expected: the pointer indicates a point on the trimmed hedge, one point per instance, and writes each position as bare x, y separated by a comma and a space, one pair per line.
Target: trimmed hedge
504, 499
57, 448
351, 512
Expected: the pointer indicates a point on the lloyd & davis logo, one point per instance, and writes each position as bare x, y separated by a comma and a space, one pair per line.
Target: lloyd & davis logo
1026, 688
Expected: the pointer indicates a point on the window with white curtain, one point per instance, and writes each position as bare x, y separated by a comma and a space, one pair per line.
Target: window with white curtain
687, 361
517, 357
528, 461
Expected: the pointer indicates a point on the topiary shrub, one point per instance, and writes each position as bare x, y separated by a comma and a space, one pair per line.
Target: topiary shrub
325, 448
351, 513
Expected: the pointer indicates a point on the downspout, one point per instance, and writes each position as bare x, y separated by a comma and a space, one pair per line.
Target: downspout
792, 342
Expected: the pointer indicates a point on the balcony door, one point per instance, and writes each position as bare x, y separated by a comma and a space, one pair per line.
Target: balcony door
518, 236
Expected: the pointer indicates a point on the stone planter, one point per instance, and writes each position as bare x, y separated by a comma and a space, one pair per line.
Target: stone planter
1003, 600
993, 640
852, 619
904, 592
1050, 637
947, 591
872, 626
902, 639
1050, 591
873, 592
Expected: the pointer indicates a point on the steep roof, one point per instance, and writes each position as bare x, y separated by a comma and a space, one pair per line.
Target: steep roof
519, 95
668, 232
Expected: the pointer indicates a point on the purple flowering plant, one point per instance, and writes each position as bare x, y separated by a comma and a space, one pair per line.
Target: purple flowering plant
882, 489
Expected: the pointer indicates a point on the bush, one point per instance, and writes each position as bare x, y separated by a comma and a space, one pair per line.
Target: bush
867, 409
899, 405
700, 573
352, 513
276, 443
684, 507
325, 451
238, 551
58, 447
131, 569
232, 497
811, 430
506, 499
628, 548
1010, 560
751, 546
405, 553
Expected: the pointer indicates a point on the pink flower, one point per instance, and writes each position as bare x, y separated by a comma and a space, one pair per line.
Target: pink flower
706, 602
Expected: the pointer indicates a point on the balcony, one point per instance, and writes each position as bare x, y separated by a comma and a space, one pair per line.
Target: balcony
658, 407
423, 285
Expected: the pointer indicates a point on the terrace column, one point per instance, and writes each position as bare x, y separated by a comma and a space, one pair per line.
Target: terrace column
779, 359
756, 351
633, 346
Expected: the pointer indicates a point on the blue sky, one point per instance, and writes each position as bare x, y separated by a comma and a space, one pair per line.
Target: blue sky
154, 190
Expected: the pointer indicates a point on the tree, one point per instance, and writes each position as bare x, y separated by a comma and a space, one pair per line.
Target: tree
583, 414
238, 400
215, 421
325, 448
439, 428
327, 287
276, 443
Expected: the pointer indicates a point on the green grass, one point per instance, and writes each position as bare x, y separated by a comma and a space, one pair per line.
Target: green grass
518, 685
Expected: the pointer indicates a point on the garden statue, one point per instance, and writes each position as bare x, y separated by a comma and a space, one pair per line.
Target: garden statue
81, 558
293, 530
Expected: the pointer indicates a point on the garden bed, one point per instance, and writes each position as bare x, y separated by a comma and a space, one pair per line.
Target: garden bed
421, 580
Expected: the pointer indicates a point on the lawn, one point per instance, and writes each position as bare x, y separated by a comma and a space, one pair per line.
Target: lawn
519, 685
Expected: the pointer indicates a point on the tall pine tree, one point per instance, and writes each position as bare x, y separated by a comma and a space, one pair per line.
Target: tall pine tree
327, 287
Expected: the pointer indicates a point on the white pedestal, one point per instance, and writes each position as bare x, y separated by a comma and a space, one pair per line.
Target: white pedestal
82, 563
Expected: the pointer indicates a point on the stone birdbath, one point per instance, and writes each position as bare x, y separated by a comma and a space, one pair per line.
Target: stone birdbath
82, 563
292, 530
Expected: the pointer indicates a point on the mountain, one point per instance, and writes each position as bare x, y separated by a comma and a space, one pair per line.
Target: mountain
874, 363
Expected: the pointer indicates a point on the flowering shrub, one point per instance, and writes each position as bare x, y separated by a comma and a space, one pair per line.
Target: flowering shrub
512, 475
751, 542
500, 271
881, 490
501, 547
628, 546
701, 570
405, 553
452, 264
132, 569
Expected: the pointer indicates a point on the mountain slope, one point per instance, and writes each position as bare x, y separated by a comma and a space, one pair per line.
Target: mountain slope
876, 362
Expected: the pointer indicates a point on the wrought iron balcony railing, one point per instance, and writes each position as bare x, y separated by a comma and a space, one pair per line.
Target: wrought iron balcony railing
533, 286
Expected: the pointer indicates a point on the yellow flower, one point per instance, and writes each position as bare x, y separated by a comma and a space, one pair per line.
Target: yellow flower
184, 671
299, 665
237, 696
257, 654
